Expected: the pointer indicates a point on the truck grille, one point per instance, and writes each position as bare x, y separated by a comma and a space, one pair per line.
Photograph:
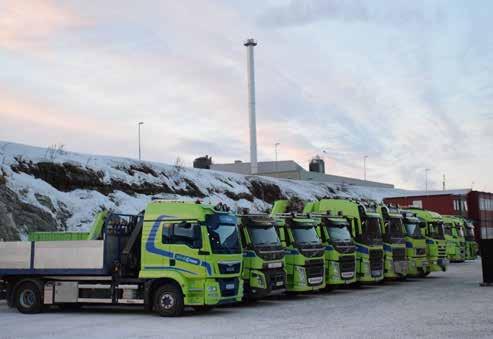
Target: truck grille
442, 251
399, 254
314, 269
347, 263
275, 254
228, 286
229, 268
376, 260
276, 279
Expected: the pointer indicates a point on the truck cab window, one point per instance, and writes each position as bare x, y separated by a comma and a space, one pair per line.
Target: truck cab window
182, 233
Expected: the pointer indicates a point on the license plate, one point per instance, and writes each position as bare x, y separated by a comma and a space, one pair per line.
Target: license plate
317, 280
347, 274
279, 283
230, 286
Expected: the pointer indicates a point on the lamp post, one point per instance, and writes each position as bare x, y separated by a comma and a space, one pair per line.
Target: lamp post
140, 152
275, 151
364, 166
426, 179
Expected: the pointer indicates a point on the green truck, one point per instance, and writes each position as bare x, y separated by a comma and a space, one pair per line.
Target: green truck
415, 245
431, 225
394, 243
340, 250
304, 252
366, 230
171, 255
263, 256
456, 242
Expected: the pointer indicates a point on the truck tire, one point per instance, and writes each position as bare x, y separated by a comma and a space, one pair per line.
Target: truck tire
168, 301
28, 298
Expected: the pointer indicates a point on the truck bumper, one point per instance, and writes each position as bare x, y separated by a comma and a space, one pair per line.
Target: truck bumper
439, 264
418, 266
264, 283
222, 291
335, 277
395, 269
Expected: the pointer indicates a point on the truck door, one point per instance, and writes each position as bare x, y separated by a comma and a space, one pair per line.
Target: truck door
184, 240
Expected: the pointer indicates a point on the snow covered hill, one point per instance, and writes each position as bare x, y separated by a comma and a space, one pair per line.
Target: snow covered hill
49, 188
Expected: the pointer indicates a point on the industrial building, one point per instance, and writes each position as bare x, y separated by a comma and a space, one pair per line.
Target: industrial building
474, 205
289, 169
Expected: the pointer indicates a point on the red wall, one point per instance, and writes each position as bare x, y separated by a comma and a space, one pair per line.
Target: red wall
443, 204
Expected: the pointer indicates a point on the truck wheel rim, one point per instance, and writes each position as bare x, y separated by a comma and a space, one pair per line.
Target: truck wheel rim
167, 301
27, 298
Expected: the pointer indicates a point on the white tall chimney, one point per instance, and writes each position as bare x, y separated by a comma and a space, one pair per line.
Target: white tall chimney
250, 44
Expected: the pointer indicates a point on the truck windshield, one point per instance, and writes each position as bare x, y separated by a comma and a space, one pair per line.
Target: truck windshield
338, 231
305, 236
372, 233
224, 238
469, 233
448, 229
436, 230
264, 236
395, 229
413, 231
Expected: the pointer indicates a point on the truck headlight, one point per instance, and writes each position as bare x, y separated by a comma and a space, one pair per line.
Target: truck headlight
211, 288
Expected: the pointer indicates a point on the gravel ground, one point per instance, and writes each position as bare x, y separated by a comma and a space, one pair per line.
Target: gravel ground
449, 304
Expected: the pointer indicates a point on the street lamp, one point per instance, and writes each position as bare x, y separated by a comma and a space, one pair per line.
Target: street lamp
364, 166
275, 150
426, 179
140, 153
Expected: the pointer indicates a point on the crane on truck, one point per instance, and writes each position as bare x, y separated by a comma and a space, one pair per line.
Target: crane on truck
263, 256
366, 230
415, 245
431, 225
394, 243
340, 250
171, 255
304, 252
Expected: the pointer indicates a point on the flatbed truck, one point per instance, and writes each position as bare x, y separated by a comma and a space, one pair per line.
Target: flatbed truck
394, 243
171, 255
263, 256
304, 252
366, 230
340, 250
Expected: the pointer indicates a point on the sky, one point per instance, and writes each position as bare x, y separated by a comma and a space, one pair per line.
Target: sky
407, 83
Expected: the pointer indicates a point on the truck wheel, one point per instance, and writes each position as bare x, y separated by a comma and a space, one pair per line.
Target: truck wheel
168, 301
28, 298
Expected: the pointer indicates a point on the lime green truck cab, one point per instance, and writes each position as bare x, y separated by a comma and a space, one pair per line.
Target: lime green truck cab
304, 252
340, 250
431, 226
415, 245
471, 244
394, 243
456, 242
451, 238
171, 255
263, 256
366, 230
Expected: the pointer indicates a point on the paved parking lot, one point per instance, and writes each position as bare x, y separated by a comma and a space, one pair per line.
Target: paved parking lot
449, 304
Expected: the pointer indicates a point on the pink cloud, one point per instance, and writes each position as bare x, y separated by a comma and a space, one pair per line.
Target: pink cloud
29, 23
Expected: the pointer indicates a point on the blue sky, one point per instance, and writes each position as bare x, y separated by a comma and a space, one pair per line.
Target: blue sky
407, 83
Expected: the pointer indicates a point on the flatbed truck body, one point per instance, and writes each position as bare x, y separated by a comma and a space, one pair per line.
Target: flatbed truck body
172, 255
